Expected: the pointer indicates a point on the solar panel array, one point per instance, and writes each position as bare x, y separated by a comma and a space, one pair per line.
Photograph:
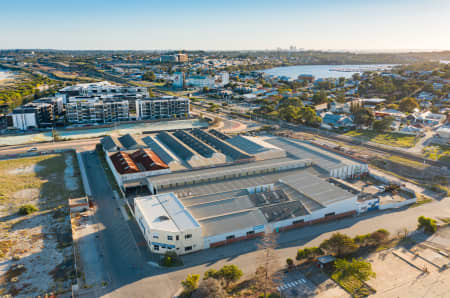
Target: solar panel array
195, 144
219, 145
160, 151
176, 146
219, 134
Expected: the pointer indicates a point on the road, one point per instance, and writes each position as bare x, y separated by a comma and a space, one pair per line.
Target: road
82, 145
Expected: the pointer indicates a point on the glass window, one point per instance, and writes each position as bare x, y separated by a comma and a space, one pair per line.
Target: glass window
188, 248
187, 236
156, 247
177, 237
169, 237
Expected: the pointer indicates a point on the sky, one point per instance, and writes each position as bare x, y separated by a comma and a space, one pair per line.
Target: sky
225, 25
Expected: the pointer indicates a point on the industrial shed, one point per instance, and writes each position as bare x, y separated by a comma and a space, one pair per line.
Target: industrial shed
256, 147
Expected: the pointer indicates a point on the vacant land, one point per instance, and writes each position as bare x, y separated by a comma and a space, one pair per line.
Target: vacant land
36, 249
408, 162
437, 152
386, 138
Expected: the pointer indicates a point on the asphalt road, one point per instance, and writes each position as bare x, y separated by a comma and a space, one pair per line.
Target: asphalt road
121, 256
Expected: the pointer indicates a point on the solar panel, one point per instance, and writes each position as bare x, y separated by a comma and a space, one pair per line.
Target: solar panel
189, 140
160, 151
176, 146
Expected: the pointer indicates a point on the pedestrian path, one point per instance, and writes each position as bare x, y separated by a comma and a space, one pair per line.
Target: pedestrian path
291, 284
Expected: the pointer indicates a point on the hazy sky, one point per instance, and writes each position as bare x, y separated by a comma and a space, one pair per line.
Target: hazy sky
225, 24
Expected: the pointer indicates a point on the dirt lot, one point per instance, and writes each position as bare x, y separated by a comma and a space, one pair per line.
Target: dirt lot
400, 273
36, 249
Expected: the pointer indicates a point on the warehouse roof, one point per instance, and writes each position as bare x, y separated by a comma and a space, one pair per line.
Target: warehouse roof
251, 145
165, 212
158, 149
128, 141
229, 223
108, 143
317, 189
148, 159
123, 163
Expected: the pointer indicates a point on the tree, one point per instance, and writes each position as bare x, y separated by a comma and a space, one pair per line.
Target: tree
209, 288
211, 273
290, 263
27, 209
339, 245
428, 224
308, 253
383, 124
320, 97
263, 276
408, 104
149, 76
357, 268
190, 283
230, 273
363, 116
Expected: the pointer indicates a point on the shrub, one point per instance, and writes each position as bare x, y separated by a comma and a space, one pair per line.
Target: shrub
27, 209
428, 224
171, 259
379, 236
289, 262
309, 252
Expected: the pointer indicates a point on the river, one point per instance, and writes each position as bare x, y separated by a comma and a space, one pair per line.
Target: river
325, 71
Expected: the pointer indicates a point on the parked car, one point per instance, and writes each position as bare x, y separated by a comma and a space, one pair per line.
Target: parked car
32, 149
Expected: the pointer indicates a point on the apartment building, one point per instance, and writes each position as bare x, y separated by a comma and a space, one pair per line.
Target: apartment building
93, 110
163, 107
33, 115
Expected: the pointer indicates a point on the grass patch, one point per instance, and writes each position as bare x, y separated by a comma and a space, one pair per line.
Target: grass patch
408, 162
386, 138
352, 285
38, 177
421, 200
27, 209
437, 152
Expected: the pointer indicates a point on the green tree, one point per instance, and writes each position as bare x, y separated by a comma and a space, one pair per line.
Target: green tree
190, 283
408, 104
363, 116
211, 273
339, 245
428, 224
230, 273
27, 209
383, 124
149, 76
357, 268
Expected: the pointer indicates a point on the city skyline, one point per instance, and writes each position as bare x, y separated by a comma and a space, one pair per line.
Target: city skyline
253, 25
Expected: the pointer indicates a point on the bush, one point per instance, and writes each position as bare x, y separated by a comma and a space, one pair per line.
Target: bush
379, 236
427, 224
27, 209
309, 253
171, 259
289, 262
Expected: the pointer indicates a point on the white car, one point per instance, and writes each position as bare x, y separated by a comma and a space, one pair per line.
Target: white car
32, 149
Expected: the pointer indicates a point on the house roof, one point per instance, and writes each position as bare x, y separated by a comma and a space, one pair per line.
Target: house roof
149, 160
123, 163
108, 143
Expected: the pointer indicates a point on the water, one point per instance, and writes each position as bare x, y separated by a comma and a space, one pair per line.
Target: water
4, 74
121, 129
325, 71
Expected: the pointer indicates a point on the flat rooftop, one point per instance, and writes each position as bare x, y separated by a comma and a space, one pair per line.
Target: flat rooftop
165, 212
324, 159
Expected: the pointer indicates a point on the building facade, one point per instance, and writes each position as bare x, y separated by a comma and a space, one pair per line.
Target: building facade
95, 111
161, 108
33, 115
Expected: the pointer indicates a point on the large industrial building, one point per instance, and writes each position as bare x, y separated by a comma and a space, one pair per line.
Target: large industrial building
216, 189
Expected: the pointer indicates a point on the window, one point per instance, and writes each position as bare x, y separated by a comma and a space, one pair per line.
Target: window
169, 237
230, 237
250, 232
156, 247
177, 237
188, 248
155, 236
187, 236
298, 221
330, 214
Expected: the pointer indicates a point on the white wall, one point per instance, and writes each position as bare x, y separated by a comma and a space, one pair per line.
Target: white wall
24, 121
397, 204
196, 241
238, 233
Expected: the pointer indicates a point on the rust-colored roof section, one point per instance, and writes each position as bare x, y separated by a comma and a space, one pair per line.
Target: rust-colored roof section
123, 163
148, 159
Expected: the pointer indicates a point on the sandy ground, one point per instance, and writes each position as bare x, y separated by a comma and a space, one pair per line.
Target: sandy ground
70, 179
